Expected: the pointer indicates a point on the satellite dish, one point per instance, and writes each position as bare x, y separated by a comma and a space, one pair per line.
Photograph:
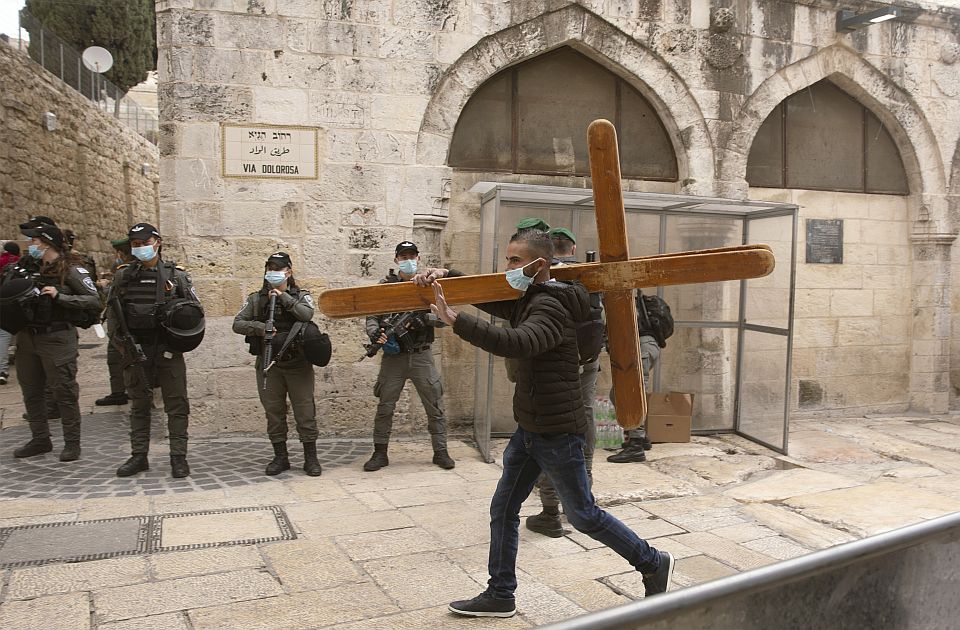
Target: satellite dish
97, 59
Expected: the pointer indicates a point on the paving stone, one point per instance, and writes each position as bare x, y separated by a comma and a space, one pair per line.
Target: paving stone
443, 580
777, 547
677, 549
353, 523
202, 529
724, 550
948, 485
796, 526
299, 611
373, 501
33, 507
572, 568
593, 595
642, 484
716, 469
82, 576
126, 602
437, 617
325, 509
395, 542
744, 532
176, 564
784, 484
456, 523
868, 509
169, 621
818, 446
74, 540
56, 611
114, 507
699, 569
307, 565
541, 604
707, 520
686, 505
630, 583
913, 472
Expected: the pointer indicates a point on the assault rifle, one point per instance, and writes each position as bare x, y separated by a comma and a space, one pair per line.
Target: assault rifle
397, 325
130, 351
269, 331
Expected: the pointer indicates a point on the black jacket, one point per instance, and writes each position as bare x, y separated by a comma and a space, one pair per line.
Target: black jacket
543, 337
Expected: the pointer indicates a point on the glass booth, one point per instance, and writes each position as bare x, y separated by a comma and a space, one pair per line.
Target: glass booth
732, 342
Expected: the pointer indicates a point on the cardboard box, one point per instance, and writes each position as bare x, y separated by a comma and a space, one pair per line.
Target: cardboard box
669, 416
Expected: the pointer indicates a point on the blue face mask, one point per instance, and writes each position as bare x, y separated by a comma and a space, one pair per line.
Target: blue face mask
517, 280
408, 267
275, 278
36, 251
146, 253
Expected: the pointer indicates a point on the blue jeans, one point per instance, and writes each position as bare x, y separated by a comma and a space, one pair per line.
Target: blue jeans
560, 456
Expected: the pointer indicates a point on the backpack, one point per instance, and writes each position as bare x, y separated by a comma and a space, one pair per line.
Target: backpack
592, 333
654, 318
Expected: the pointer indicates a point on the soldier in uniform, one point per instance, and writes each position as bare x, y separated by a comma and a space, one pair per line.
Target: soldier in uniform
291, 374
145, 288
47, 347
411, 360
118, 389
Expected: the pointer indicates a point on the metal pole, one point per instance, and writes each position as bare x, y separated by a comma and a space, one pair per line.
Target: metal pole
61, 61
41, 48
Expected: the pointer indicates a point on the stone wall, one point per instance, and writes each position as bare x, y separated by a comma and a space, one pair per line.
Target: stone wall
86, 174
384, 81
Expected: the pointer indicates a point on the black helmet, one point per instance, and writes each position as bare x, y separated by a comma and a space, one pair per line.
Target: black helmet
18, 297
316, 345
183, 324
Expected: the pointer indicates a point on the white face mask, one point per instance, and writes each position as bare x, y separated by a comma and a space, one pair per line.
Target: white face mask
408, 267
275, 278
518, 280
145, 253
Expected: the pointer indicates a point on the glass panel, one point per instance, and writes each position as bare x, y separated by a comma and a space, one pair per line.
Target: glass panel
645, 149
824, 139
884, 168
713, 301
768, 298
765, 164
763, 389
559, 95
483, 133
702, 361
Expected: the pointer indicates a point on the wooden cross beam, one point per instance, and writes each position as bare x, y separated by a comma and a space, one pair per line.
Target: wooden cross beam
616, 275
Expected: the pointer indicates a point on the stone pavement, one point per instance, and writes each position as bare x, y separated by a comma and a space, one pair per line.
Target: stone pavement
389, 549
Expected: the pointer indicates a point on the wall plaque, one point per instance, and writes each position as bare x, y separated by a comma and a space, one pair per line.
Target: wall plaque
269, 152
825, 241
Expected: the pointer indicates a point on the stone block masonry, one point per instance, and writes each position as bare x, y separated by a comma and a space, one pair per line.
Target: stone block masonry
87, 173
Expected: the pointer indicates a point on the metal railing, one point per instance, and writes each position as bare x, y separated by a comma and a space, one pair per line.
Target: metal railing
62, 60
906, 579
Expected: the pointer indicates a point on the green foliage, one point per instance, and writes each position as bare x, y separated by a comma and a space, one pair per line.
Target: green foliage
127, 28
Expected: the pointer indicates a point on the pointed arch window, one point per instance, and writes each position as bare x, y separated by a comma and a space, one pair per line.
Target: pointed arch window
821, 138
533, 118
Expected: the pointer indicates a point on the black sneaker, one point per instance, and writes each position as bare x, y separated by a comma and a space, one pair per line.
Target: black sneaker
484, 605
4, 377
632, 452
443, 460
546, 524
659, 582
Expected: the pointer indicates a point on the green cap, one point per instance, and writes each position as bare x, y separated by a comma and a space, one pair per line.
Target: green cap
117, 243
563, 232
533, 223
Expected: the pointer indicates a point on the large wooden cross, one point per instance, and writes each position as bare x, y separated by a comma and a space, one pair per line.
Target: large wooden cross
616, 275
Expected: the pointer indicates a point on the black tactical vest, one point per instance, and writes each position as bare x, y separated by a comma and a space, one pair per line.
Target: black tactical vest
139, 297
283, 320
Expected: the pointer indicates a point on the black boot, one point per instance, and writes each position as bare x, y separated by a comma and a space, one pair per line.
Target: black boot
379, 458
137, 463
632, 452
311, 465
280, 461
546, 522
442, 459
36, 446
179, 468
112, 399
70, 452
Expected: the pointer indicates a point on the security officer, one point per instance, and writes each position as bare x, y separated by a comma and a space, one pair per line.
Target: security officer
291, 374
47, 347
411, 359
118, 390
146, 289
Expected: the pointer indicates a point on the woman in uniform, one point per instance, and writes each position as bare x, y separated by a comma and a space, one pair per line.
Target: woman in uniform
47, 347
289, 372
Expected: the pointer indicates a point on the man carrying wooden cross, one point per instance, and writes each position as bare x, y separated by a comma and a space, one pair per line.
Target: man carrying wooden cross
549, 410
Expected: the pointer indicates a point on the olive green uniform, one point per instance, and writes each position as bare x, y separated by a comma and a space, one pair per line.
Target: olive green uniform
47, 354
135, 284
291, 375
